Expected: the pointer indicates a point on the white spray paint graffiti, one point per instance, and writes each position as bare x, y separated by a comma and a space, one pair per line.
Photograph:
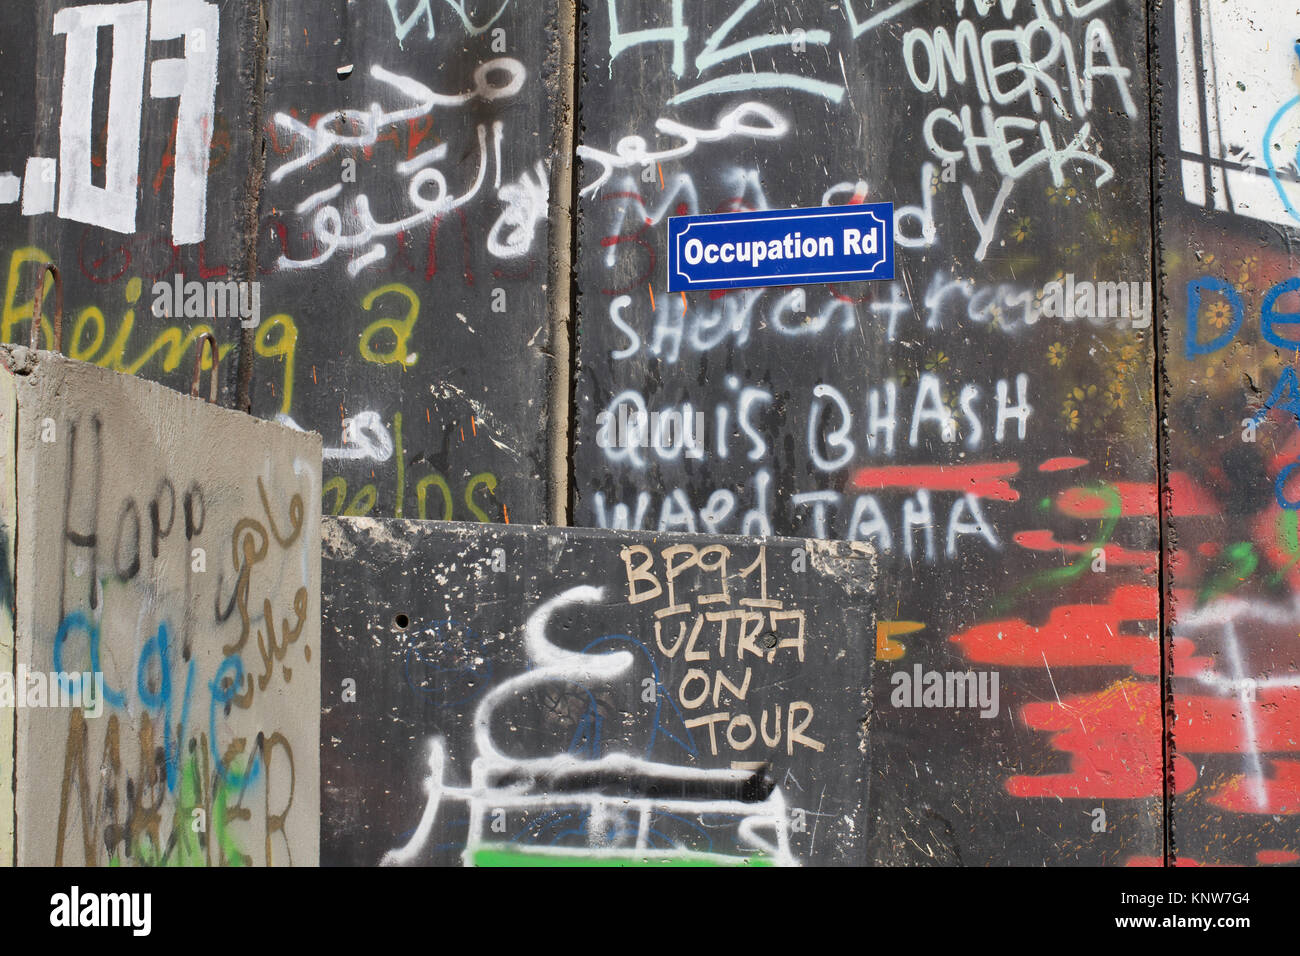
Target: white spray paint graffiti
748, 119
403, 25
677, 33
524, 200
1221, 618
499, 781
190, 79
365, 438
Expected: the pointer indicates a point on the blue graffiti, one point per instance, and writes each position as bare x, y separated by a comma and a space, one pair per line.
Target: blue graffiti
78, 622
221, 692
448, 686
159, 647
593, 720
1273, 124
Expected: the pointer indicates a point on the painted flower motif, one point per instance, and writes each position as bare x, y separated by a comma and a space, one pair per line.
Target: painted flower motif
1247, 265
1220, 314
935, 362
1070, 416
1083, 394
1064, 195
934, 183
1021, 229
1128, 354
1115, 395
1056, 354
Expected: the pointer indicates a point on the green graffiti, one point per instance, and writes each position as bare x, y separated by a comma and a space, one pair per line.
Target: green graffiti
1288, 538
1242, 562
496, 855
187, 844
1056, 577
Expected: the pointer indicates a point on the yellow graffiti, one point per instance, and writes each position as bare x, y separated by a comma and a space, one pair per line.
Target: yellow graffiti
401, 465
401, 329
285, 346
15, 314
422, 490
173, 345
361, 505
488, 479
890, 650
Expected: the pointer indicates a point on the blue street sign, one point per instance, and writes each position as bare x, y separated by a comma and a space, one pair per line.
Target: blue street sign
740, 250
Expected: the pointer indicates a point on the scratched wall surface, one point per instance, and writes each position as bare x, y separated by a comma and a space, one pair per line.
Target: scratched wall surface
991, 434
389, 174
1228, 218
375, 176
8, 529
190, 579
544, 697
121, 205
403, 249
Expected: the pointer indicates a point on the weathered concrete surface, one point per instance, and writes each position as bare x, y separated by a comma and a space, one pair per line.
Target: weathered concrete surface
162, 190
996, 446
8, 529
414, 154
1229, 220
172, 546
528, 695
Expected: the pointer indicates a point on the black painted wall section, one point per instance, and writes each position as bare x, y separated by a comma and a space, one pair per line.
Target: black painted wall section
536, 696
993, 445
103, 200
379, 173
405, 240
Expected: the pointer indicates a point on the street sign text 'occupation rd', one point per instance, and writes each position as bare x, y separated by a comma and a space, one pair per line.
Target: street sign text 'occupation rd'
739, 250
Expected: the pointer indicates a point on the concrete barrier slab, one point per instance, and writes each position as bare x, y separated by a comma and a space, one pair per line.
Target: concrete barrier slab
165, 685
530, 696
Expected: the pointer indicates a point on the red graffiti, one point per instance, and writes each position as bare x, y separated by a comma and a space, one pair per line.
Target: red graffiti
1115, 554
1062, 464
1075, 635
1138, 499
986, 481
1114, 740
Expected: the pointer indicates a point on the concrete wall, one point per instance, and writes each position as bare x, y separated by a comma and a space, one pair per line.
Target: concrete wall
386, 342
999, 457
171, 546
1088, 495
1228, 214
544, 697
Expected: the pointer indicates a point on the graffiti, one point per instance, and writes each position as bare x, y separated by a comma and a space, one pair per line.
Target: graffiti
351, 130
92, 338
1237, 157
423, 11
193, 609
678, 34
676, 708
503, 783
748, 119
191, 79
